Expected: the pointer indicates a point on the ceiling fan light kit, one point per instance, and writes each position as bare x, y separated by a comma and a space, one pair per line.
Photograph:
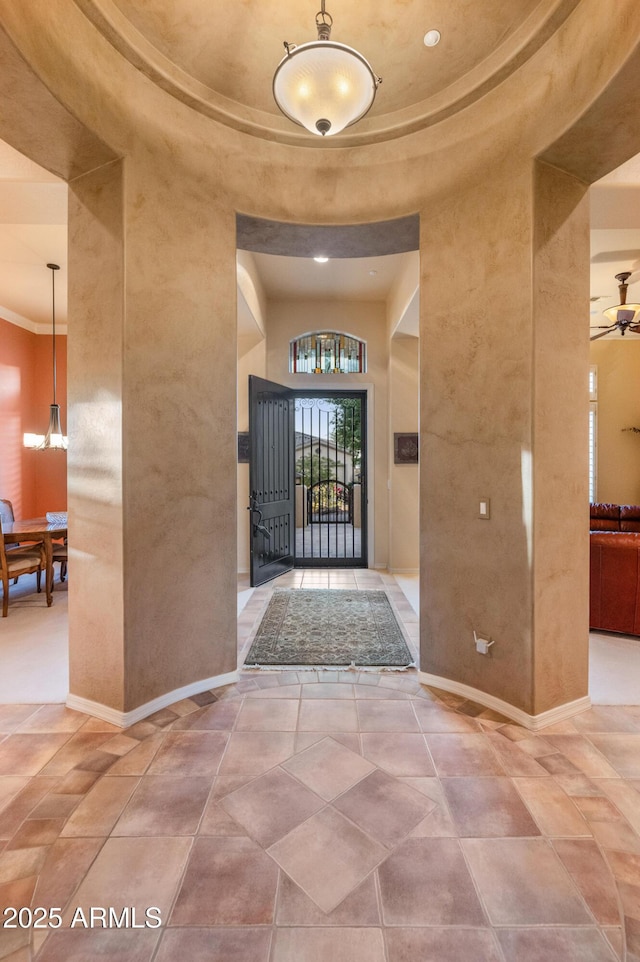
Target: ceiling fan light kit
324, 86
623, 317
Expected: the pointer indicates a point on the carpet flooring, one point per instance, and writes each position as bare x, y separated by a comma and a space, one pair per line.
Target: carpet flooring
329, 627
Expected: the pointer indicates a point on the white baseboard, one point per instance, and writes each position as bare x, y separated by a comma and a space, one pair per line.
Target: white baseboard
404, 571
123, 719
533, 722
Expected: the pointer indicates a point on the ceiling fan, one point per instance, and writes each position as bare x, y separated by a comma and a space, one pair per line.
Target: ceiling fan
623, 317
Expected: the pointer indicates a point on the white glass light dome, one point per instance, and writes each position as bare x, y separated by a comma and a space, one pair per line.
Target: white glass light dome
322, 85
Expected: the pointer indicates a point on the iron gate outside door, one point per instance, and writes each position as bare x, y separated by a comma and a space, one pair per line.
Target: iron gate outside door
330, 469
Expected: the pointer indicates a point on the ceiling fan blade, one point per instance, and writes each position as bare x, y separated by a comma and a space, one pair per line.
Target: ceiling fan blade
604, 334
602, 327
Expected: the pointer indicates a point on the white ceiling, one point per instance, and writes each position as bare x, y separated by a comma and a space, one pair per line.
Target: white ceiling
347, 278
33, 232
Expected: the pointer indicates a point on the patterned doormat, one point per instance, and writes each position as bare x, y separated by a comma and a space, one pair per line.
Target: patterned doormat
318, 627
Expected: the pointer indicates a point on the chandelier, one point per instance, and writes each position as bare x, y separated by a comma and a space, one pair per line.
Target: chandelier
54, 438
322, 85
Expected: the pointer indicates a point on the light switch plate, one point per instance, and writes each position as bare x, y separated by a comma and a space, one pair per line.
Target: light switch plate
484, 510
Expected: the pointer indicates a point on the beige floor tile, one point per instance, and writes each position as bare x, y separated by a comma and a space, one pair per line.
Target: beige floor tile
16, 894
271, 805
463, 755
328, 768
398, 753
11, 716
217, 822
350, 740
164, 805
373, 692
220, 716
606, 718
328, 689
326, 715
136, 872
268, 715
10, 785
426, 882
28, 754
514, 761
386, 716
35, 832
53, 718
584, 756
189, 753
625, 798
229, 881
616, 836
67, 861
384, 807
56, 806
590, 872
283, 691
80, 945
553, 810
621, 750
252, 753
554, 945
339, 945
20, 863
487, 806
327, 857
23, 804
437, 718
523, 882
358, 908
443, 945
101, 808
216, 944
137, 761
74, 750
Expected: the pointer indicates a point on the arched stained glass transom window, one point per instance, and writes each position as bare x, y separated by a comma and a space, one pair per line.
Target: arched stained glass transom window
327, 352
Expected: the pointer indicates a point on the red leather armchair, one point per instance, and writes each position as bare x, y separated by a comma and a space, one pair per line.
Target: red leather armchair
615, 568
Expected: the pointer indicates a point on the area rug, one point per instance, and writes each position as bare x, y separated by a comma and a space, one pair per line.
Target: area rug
319, 627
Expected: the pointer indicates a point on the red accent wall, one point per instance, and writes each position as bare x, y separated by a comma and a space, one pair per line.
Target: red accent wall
34, 481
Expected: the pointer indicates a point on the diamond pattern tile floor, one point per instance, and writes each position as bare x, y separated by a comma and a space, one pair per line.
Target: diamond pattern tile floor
297, 817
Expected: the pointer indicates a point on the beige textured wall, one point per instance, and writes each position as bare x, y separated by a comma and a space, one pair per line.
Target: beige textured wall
97, 655
366, 320
560, 439
618, 364
486, 385
404, 493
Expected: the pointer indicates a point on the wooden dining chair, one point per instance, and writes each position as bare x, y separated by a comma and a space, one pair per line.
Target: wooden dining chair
59, 553
6, 514
22, 561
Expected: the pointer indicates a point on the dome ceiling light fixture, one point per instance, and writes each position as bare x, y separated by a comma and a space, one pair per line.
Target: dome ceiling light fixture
322, 85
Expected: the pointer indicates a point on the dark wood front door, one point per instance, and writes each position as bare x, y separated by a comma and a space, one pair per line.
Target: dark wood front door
271, 479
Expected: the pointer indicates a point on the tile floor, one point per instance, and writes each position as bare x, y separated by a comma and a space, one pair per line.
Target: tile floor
305, 816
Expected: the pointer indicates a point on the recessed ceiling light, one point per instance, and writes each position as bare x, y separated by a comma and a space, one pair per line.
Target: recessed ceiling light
372, 273
431, 38
321, 259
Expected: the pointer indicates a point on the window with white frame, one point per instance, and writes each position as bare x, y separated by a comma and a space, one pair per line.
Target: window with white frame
593, 432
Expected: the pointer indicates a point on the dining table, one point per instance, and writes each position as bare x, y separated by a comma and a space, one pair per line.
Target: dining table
37, 529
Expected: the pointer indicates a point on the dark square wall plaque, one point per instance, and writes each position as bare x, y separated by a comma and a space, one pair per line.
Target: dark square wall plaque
405, 448
243, 447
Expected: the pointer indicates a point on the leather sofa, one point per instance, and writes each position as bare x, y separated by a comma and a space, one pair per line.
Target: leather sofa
614, 596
